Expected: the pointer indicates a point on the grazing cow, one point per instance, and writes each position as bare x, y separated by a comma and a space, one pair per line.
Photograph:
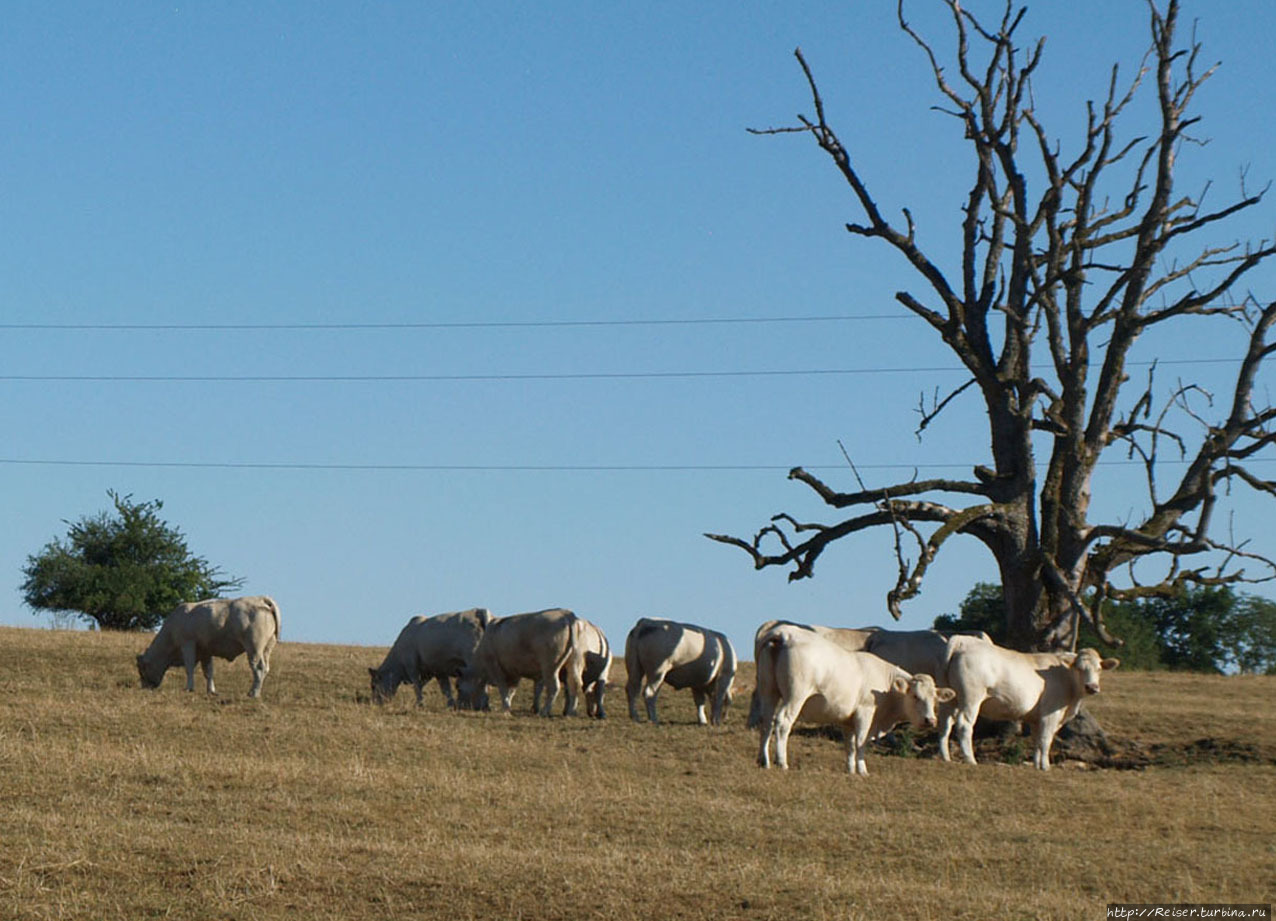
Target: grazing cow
849, 638
660, 652
439, 647
916, 651
803, 676
221, 627
593, 675
1043, 690
541, 645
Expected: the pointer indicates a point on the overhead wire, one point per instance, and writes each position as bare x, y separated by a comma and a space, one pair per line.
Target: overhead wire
523, 376
450, 324
482, 377
516, 468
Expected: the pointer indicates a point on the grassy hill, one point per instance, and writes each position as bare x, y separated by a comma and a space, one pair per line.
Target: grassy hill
121, 803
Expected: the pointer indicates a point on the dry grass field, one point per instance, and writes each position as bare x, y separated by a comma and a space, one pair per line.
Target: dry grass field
121, 803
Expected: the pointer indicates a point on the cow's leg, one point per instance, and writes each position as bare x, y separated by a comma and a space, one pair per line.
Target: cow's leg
857, 741
188, 662
766, 729
633, 688
445, 685
552, 687
699, 696
1043, 734
575, 684
654, 683
538, 688
207, 666
947, 713
260, 666
965, 720
418, 686
785, 716
720, 692
506, 689
596, 699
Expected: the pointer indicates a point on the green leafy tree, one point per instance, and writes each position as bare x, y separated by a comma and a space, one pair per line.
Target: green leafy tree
984, 608
1213, 629
1250, 639
1142, 647
1191, 625
122, 571
1207, 628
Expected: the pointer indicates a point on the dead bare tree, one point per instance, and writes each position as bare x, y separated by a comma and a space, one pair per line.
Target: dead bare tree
1055, 287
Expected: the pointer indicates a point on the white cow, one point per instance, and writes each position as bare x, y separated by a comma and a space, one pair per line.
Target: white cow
540, 645
220, 627
852, 639
660, 652
438, 647
593, 675
803, 676
916, 651
1043, 690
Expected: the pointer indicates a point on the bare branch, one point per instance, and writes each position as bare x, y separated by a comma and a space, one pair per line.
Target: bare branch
928, 416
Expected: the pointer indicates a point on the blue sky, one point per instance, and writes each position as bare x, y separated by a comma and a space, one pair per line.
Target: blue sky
315, 165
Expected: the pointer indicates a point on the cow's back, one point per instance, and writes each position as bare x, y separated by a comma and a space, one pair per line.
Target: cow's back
437, 644
1013, 681
852, 639
804, 666
667, 642
923, 652
521, 645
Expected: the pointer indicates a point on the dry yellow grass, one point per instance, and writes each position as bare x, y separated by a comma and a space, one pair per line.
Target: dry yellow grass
121, 803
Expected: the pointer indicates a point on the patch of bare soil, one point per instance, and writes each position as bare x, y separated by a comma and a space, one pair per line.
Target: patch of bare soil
1083, 744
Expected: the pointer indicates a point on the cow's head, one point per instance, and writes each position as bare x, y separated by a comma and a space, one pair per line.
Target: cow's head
921, 698
151, 677
1087, 665
383, 687
471, 690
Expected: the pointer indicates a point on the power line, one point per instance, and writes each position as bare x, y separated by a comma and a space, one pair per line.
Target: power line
516, 468
443, 468
380, 378
530, 376
461, 324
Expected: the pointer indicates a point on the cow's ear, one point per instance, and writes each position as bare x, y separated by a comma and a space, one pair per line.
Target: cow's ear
945, 695
1068, 658
899, 684
1109, 664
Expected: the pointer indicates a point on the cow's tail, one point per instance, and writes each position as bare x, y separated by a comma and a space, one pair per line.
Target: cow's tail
572, 661
274, 612
631, 651
762, 703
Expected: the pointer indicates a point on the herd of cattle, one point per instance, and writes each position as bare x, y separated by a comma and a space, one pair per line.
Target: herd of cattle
864, 680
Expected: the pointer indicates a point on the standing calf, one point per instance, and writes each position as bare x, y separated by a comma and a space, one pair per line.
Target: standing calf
803, 676
1043, 690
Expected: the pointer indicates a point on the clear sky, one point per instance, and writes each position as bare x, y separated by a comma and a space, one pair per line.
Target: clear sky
313, 165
